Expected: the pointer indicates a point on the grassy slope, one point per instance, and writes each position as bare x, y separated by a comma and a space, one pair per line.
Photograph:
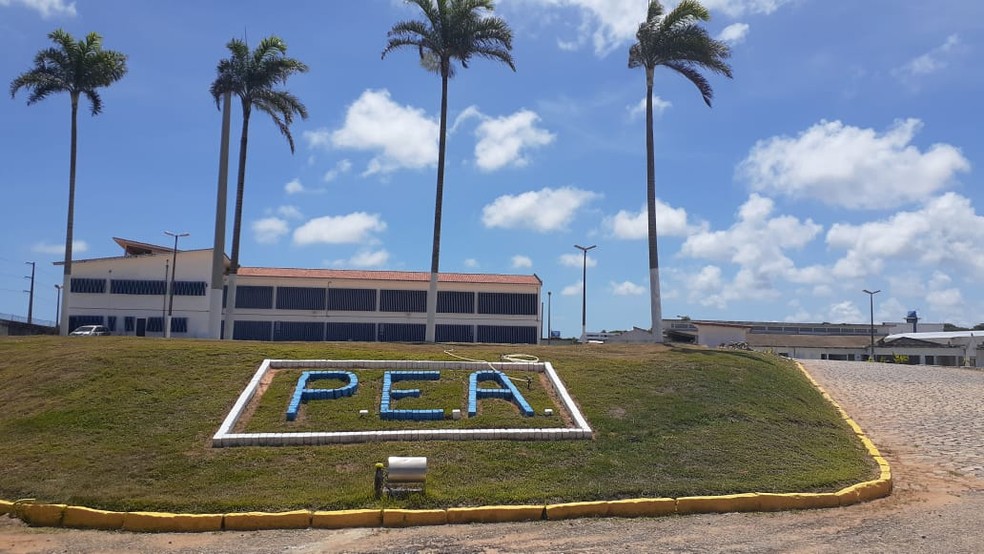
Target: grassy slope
124, 423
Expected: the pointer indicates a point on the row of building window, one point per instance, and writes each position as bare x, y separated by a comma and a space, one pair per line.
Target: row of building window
130, 323
379, 332
365, 300
156, 287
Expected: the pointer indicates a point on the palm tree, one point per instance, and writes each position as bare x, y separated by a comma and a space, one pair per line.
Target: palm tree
678, 42
78, 68
452, 30
254, 77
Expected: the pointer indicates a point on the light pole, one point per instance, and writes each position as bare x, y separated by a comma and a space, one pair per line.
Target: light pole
871, 308
30, 299
549, 309
584, 290
170, 292
57, 304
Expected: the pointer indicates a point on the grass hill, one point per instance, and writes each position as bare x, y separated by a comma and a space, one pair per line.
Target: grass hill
123, 423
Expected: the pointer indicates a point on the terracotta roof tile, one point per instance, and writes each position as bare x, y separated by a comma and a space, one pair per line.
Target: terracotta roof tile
389, 275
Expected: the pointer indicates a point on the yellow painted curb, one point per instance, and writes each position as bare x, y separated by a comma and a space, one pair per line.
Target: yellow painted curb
40, 515
80, 517
748, 502
6, 507
412, 518
642, 507
344, 519
160, 522
774, 502
251, 521
571, 510
495, 514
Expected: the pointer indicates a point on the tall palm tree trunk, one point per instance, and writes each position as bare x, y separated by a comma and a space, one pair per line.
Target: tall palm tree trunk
240, 185
654, 296
237, 220
70, 223
430, 334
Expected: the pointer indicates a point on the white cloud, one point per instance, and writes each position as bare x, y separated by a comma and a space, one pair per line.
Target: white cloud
403, 136
320, 138
365, 258
945, 232
739, 8
634, 225
471, 263
734, 33
930, 62
571, 290
843, 312
853, 167
78, 247
521, 262
757, 244
609, 24
503, 141
47, 8
290, 212
269, 230
354, 228
294, 186
542, 211
639, 110
576, 260
342, 167
627, 288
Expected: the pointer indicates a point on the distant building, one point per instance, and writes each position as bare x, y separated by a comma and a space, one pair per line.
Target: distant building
129, 294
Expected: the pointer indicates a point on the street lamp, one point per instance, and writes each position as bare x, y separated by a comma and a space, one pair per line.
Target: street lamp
871, 308
174, 270
58, 289
549, 309
584, 290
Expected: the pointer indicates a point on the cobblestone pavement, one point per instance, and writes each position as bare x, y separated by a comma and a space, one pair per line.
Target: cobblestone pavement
929, 415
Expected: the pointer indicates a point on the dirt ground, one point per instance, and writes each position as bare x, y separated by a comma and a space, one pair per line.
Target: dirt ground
932, 509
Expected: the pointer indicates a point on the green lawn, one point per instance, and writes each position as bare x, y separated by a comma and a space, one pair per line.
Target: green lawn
124, 423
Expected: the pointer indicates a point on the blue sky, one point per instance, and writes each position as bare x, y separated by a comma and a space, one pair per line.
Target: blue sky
843, 155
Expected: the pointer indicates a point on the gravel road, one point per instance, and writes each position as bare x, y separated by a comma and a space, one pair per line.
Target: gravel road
927, 421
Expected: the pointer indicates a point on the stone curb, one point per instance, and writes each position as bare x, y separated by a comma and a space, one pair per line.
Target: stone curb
61, 515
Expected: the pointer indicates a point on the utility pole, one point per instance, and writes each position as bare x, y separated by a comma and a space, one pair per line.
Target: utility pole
871, 307
174, 270
30, 301
584, 291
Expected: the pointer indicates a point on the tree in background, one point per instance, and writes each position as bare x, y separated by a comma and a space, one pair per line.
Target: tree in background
79, 68
254, 78
452, 30
678, 42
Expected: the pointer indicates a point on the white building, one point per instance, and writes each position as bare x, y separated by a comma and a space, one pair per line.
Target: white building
129, 294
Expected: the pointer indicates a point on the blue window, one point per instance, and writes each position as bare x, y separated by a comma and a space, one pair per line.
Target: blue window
299, 330
251, 330
300, 298
453, 302
342, 331
88, 286
136, 286
254, 297
402, 332
454, 333
509, 334
403, 301
505, 303
352, 300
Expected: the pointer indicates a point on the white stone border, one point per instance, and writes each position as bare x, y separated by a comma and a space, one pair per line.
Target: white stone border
224, 437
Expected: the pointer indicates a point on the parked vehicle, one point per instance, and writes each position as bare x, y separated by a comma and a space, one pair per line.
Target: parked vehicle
90, 331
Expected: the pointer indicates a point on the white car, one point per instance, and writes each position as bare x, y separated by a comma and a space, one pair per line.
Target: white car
90, 331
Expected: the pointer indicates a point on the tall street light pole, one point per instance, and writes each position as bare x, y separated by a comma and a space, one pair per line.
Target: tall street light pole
170, 292
30, 299
871, 308
58, 289
549, 309
584, 290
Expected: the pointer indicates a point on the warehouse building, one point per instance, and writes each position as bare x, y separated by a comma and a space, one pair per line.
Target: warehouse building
130, 295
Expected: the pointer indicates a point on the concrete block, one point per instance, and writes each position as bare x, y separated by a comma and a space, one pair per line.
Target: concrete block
80, 517
344, 519
642, 507
158, 522
251, 521
413, 518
